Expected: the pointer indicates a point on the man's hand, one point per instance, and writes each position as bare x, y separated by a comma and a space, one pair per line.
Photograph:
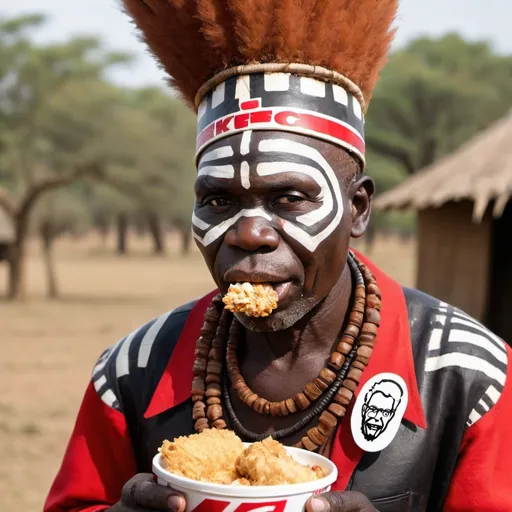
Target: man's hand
349, 501
142, 494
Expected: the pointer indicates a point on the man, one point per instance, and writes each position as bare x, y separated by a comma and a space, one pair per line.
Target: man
281, 89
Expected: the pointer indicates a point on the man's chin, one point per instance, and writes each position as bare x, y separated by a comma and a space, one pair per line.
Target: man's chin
371, 435
279, 320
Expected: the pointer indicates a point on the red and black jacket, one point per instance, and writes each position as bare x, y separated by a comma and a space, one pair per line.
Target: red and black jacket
453, 450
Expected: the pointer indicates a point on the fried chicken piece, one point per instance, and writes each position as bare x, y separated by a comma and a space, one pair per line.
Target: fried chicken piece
251, 299
208, 457
268, 463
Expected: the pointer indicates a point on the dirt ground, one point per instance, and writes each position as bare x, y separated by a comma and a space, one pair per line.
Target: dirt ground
48, 348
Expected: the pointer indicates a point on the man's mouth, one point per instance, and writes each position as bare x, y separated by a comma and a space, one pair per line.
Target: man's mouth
280, 284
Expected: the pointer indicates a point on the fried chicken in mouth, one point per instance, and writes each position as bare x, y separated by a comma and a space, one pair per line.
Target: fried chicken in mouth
219, 456
256, 300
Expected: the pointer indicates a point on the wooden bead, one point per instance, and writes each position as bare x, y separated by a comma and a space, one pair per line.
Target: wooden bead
266, 408
214, 412
337, 409
360, 292
369, 329
197, 398
312, 392
275, 408
198, 386
290, 405
308, 444
372, 316
212, 378
244, 394
343, 396
336, 361
373, 302
373, 289
201, 352
359, 306
198, 411
283, 410
364, 351
351, 330
344, 348
220, 424
367, 340
213, 400
249, 400
358, 364
301, 401
327, 375
321, 384
214, 367
215, 354
354, 375
239, 385
328, 419
324, 429
201, 424
350, 384
199, 366
213, 390
259, 405
299, 445
356, 318
316, 436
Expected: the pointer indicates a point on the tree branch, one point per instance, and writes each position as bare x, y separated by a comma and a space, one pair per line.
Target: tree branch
392, 151
6, 202
46, 185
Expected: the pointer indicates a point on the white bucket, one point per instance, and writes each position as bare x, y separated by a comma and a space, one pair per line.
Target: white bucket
210, 497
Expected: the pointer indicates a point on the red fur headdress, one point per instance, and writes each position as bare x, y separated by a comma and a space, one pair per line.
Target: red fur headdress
195, 39
305, 66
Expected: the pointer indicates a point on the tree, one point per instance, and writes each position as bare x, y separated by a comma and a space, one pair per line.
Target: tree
435, 94
34, 159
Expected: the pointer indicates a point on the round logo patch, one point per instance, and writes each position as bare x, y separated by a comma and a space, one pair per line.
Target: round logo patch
378, 411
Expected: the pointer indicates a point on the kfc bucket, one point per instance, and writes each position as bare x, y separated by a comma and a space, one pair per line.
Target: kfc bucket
209, 497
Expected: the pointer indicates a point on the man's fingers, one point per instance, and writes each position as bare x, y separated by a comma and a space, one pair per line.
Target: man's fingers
142, 491
350, 501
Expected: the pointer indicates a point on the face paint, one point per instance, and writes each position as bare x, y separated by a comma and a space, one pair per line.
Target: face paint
329, 203
308, 229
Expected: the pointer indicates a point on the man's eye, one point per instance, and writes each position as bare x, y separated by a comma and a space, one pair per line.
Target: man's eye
218, 201
289, 199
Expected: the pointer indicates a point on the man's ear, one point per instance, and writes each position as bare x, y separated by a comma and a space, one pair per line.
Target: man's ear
362, 191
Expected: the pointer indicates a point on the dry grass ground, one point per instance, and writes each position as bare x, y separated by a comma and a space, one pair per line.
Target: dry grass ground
48, 348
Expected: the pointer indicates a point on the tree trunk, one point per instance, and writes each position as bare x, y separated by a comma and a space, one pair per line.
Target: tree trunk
186, 241
16, 287
122, 233
47, 239
155, 230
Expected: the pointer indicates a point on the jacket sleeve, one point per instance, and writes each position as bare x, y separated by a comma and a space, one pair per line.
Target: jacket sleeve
98, 461
483, 476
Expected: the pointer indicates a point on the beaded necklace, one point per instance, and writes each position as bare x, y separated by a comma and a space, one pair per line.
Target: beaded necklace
328, 396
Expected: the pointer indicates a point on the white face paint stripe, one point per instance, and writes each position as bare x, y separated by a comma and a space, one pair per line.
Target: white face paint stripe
244, 175
221, 228
217, 171
215, 154
245, 143
196, 221
315, 216
296, 148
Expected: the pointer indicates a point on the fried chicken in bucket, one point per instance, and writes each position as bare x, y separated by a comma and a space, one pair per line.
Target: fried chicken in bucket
251, 299
219, 456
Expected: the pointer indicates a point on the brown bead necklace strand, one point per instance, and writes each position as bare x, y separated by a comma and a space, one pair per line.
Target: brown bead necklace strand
346, 364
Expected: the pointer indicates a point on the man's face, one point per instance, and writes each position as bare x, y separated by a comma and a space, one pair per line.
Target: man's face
274, 208
377, 413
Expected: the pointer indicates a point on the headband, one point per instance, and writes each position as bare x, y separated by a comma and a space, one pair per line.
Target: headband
281, 101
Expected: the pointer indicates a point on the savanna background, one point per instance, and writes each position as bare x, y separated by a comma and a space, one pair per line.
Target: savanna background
96, 181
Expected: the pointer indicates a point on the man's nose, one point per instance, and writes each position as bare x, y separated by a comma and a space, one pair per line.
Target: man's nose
252, 234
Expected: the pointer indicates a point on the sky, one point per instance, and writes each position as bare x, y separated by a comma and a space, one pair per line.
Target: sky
474, 19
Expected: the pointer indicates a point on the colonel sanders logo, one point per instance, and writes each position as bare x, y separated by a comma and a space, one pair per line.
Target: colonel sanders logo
380, 405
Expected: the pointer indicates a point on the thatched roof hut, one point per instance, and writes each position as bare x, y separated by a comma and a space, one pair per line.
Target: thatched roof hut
464, 204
